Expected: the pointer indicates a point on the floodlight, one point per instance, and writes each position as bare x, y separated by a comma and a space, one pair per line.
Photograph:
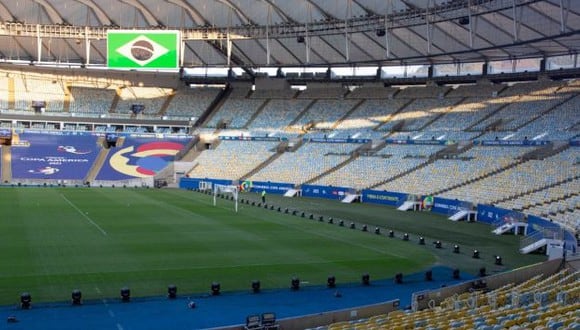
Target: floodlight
475, 254
429, 275
76, 297
172, 291
25, 300
391, 233
399, 278
377, 230
498, 260
421, 240
455, 248
215, 288
456, 274
405, 237
256, 286
125, 294
331, 281
482, 272
295, 283
437, 244
366, 279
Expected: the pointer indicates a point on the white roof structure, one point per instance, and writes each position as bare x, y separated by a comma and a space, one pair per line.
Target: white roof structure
254, 33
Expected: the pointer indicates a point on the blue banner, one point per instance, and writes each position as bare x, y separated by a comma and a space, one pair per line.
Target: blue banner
511, 143
251, 138
193, 183
329, 192
536, 223
575, 143
411, 141
383, 197
335, 140
492, 215
571, 242
449, 206
277, 188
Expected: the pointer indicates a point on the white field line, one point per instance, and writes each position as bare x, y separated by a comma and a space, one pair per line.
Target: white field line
84, 215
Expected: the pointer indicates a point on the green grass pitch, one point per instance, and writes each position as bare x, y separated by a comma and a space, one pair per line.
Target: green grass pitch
98, 240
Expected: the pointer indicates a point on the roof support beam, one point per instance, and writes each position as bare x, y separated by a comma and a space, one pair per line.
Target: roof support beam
192, 12
50, 11
147, 15
562, 22
103, 18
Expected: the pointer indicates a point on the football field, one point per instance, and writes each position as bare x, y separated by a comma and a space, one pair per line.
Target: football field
98, 240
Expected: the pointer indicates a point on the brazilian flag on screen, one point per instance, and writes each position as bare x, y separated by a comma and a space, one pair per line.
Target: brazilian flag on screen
143, 49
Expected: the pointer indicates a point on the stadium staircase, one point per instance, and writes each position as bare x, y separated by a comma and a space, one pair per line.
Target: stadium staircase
564, 100
447, 152
391, 115
491, 126
402, 174
481, 177
67, 94
449, 108
6, 164
347, 114
214, 106
509, 226
301, 114
257, 112
11, 98
537, 190
166, 103
540, 154
115, 102
98, 164
279, 151
553, 200
353, 155
189, 147
539, 240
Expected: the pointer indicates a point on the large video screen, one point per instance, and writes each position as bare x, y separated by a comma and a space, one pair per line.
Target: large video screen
143, 49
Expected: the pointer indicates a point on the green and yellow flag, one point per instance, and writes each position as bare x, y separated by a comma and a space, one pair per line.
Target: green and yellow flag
143, 49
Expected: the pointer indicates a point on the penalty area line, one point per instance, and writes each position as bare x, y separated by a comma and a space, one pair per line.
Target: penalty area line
84, 215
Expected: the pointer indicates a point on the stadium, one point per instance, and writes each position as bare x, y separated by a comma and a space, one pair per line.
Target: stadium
300, 164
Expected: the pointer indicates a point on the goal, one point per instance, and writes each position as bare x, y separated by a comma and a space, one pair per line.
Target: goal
225, 189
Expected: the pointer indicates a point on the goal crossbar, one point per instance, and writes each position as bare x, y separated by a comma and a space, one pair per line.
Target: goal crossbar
228, 189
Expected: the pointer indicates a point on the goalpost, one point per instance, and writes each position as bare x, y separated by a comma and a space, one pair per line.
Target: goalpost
220, 188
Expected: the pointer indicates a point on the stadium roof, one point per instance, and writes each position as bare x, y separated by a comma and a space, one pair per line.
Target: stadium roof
254, 33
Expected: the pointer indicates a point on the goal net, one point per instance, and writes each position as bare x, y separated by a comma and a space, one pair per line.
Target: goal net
225, 189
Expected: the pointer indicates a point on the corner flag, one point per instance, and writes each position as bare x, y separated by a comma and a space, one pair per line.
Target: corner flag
143, 49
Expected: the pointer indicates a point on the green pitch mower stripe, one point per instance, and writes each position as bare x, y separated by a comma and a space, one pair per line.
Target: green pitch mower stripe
99, 240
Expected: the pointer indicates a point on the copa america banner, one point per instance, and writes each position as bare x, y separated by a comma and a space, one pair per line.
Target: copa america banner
143, 49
